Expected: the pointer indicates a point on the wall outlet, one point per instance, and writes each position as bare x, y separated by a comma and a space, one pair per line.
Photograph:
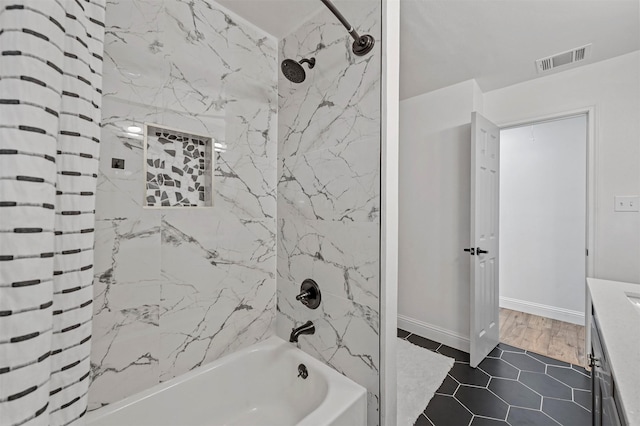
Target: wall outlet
627, 203
117, 163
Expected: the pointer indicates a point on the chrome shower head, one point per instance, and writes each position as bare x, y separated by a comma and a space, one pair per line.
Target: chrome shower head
294, 71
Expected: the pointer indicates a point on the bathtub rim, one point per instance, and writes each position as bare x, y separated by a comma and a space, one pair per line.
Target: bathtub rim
342, 392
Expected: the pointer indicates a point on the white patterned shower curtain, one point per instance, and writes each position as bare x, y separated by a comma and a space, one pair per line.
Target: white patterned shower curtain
50, 96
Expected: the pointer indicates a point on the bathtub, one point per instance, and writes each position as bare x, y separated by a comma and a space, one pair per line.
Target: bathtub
258, 385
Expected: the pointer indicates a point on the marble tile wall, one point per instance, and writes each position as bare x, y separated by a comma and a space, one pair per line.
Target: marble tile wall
329, 193
178, 288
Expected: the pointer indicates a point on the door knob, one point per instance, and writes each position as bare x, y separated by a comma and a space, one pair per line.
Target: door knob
471, 251
480, 251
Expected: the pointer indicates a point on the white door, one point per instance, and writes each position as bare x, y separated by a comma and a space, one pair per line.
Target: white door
485, 185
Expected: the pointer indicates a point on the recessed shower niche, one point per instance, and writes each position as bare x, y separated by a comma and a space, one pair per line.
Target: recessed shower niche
178, 168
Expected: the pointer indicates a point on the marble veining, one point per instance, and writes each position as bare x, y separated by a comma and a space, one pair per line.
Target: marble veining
338, 184
341, 256
329, 194
125, 345
219, 289
176, 289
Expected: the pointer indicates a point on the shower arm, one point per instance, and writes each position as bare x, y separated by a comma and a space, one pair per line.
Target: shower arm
344, 22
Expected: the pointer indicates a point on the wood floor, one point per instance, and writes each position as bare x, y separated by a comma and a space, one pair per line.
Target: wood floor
555, 339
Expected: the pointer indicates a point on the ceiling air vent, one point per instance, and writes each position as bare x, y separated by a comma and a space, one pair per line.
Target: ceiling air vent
564, 58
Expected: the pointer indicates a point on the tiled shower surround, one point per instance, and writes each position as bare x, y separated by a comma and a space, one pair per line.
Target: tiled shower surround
178, 288
329, 193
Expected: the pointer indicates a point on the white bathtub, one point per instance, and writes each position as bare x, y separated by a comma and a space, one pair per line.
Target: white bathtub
257, 386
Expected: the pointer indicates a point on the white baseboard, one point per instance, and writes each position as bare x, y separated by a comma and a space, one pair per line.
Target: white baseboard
433, 332
560, 314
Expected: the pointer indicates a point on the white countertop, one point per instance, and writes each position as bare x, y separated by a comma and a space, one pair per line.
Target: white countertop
619, 323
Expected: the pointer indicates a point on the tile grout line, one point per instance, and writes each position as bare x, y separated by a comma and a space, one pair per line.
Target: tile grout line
563, 366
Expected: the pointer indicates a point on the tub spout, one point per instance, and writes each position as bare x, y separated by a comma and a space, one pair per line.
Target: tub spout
306, 328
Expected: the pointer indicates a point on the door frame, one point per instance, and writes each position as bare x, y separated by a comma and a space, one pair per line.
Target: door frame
389, 190
591, 190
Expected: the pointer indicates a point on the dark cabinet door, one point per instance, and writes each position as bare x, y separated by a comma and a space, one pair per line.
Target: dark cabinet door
604, 409
596, 376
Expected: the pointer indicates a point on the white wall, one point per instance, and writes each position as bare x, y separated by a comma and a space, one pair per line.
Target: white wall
433, 289
613, 88
543, 171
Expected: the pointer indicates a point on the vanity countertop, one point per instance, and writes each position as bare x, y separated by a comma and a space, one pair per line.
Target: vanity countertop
619, 322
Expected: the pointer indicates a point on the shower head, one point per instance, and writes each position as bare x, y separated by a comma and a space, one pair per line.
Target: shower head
294, 71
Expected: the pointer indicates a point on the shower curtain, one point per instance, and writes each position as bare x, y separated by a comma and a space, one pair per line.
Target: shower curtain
50, 95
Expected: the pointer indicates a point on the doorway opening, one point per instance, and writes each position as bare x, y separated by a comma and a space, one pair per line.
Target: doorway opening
544, 236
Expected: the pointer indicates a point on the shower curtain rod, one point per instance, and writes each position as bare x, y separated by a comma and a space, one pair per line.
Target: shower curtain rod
361, 44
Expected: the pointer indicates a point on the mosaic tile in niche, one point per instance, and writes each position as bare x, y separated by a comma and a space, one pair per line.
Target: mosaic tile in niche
177, 162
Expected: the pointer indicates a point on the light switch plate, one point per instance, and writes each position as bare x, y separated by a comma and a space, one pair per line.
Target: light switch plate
627, 203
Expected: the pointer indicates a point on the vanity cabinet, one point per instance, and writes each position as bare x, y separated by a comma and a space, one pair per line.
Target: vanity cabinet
605, 407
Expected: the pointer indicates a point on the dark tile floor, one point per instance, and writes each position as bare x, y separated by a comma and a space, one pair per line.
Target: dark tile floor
510, 387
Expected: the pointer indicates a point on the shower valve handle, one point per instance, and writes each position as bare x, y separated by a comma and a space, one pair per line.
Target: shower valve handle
309, 294
302, 297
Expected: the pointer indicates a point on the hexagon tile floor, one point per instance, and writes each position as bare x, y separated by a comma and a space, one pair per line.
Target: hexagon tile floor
511, 387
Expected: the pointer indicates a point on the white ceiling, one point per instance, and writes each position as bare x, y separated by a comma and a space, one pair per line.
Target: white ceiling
444, 42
